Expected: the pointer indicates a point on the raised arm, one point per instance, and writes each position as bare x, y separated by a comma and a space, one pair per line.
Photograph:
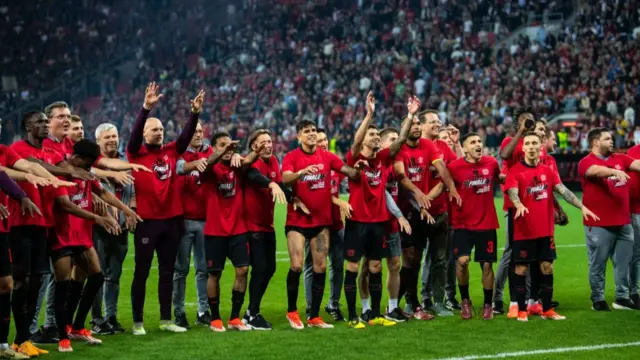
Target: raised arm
358, 138
413, 105
508, 150
151, 97
182, 143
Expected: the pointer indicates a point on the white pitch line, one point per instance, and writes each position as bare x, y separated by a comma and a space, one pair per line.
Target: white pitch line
545, 351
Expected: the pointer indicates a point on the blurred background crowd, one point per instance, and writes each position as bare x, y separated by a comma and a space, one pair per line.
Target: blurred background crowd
269, 63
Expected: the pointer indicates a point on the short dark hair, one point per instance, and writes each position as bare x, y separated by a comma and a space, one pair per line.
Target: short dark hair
387, 131
468, 135
371, 126
422, 115
547, 131
595, 133
320, 131
256, 134
75, 118
87, 149
523, 110
26, 117
218, 135
303, 124
56, 105
531, 133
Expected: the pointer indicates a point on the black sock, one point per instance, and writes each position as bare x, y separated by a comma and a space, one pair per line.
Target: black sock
255, 291
520, 288
75, 292
375, 290
214, 307
89, 293
411, 292
464, 291
488, 296
33, 294
293, 283
512, 289
60, 301
534, 289
237, 299
5, 316
403, 283
19, 307
317, 291
546, 291
350, 291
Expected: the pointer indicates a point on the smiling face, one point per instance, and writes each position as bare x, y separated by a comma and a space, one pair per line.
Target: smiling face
531, 146
443, 135
472, 147
389, 139
153, 132
108, 142
308, 136
76, 131
372, 139
416, 130
221, 144
431, 126
196, 140
322, 141
264, 140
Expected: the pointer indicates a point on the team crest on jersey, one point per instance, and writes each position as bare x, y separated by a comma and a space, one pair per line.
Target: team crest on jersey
227, 186
162, 169
320, 166
485, 171
543, 177
618, 167
523, 254
273, 174
420, 160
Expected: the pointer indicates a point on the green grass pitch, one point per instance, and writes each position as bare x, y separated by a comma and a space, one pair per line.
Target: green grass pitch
440, 338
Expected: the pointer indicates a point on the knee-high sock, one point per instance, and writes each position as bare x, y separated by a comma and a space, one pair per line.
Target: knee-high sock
317, 292
293, 283
350, 291
237, 299
5, 316
546, 291
61, 295
91, 289
20, 313
520, 288
375, 289
75, 293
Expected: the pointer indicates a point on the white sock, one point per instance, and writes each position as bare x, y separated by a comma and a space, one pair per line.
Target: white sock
138, 325
200, 313
513, 303
365, 305
393, 303
531, 302
4, 346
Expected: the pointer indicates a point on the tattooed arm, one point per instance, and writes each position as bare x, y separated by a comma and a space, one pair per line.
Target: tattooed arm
572, 199
521, 210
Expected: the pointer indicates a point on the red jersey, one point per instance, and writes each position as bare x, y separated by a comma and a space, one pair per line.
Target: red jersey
607, 197
550, 161
392, 226
225, 201
8, 158
417, 161
314, 190
64, 147
194, 194
336, 180
367, 197
158, 193
439, 204
259, 201
474, 182
43, 197
535, 186
634, 182
516, 157
72, 230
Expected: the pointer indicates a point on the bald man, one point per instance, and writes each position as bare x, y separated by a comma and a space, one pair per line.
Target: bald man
159, 204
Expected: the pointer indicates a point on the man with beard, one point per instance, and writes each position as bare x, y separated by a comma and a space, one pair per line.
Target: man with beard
159, 203
111, 249
605, 182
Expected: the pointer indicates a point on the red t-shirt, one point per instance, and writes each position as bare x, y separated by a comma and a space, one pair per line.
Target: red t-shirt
535, 190
225, 205
314, 190
336, 180
417, 161
43, 197
194, 195
392, 227
8, 158
158, 193
516, 157
259, 201
72, 230
439, 204
634, 183
550, 161
606, 197
474, 183
366, 194
64, 147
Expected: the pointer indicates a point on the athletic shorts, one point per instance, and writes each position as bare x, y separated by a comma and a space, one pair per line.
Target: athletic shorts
220, 248
535, 250
419, 232
363, 239
5, 255
69, 251
484, 241
29, 249
308, 233
392, 245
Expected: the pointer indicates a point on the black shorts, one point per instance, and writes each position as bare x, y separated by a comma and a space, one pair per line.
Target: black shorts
5, 255
69, 251
219, 248
484, 241
535, 250
308, 233
419, 232
29, 249
363, 239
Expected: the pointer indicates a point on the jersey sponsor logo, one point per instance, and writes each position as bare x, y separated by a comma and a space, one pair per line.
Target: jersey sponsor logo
195, 175
79, 197
227, 186
538, 190
615, 182
434, 172
373, 177
162, 169
392, 187
478, 183
415, 169
314, 181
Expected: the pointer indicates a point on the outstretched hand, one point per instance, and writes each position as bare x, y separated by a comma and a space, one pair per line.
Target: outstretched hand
151, 95
196, 103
